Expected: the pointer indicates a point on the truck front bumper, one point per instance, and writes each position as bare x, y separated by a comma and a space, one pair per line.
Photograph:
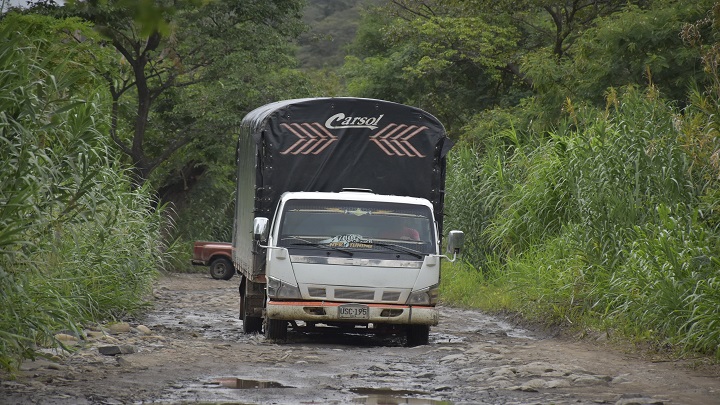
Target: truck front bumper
320, 311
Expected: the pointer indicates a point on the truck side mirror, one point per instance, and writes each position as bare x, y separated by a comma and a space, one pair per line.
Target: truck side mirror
456, 239
260, 229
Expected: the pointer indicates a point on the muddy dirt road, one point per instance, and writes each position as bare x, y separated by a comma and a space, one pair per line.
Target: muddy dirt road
190, 349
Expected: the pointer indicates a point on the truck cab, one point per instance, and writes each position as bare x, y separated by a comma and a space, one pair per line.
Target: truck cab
355, 261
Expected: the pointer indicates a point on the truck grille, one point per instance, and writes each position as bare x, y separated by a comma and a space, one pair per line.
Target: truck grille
317, 292
348, 294
354, 294
391, 296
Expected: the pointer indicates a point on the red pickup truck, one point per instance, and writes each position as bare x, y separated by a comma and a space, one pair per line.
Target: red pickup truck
216, 255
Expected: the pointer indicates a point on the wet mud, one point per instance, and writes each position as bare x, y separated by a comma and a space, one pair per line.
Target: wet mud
190, 349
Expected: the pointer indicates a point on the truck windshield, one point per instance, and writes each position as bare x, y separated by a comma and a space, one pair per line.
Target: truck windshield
358, 226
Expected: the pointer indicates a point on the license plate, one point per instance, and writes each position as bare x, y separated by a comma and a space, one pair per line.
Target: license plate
353, 311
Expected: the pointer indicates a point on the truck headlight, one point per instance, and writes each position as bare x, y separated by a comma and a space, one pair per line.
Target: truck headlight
428, 296
280, 290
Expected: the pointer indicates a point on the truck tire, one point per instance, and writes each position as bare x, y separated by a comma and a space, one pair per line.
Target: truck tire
418, 335
251, 324
241, 292
221, 269
276, 329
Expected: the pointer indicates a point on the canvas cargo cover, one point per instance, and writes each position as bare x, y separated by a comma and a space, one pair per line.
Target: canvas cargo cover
327, 144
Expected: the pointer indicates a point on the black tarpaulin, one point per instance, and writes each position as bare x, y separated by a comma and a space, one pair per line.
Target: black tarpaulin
328, 144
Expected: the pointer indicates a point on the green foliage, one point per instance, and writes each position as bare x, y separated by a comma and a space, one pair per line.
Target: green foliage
478, 61
632, 46
76, 245
231, 58
464, 202
668, 284
446, 62
463, 285
599, 223
582, 204
170, 89
332, 25
180, 79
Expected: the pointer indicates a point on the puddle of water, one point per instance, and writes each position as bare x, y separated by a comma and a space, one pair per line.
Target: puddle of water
375, 396
242, 384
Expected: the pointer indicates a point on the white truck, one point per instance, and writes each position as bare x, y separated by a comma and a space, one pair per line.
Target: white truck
338, 220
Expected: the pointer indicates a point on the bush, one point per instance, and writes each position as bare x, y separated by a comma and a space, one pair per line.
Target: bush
76, 243
602, 222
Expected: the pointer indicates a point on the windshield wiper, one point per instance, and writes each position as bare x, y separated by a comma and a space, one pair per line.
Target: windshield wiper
399, 249
320, 245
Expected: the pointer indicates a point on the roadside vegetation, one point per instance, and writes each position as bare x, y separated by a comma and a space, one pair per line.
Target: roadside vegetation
585, 173
605, 218
100, 147
77, 243
607, 223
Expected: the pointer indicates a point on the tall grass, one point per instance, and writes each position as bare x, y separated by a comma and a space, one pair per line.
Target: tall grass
76, 244
603, 222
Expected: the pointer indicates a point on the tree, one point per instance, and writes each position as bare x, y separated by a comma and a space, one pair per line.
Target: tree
169, 50
433, 55
462, 57
518, 62
634, 46
76, 244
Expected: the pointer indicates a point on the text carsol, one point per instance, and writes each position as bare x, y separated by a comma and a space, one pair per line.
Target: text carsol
340, 120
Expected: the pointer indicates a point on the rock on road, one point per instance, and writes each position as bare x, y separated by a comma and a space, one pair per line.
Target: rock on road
189, 348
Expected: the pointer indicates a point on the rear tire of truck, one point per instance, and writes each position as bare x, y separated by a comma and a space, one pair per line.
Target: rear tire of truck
276, 329
241, 292
251, 324
221, 269
418, 335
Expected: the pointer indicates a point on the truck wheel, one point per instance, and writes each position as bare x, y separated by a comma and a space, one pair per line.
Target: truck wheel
418, 335
241, 291
221, 269
276, 329
251, 324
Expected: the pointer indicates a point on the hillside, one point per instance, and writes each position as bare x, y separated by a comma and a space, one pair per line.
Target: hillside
333, 24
